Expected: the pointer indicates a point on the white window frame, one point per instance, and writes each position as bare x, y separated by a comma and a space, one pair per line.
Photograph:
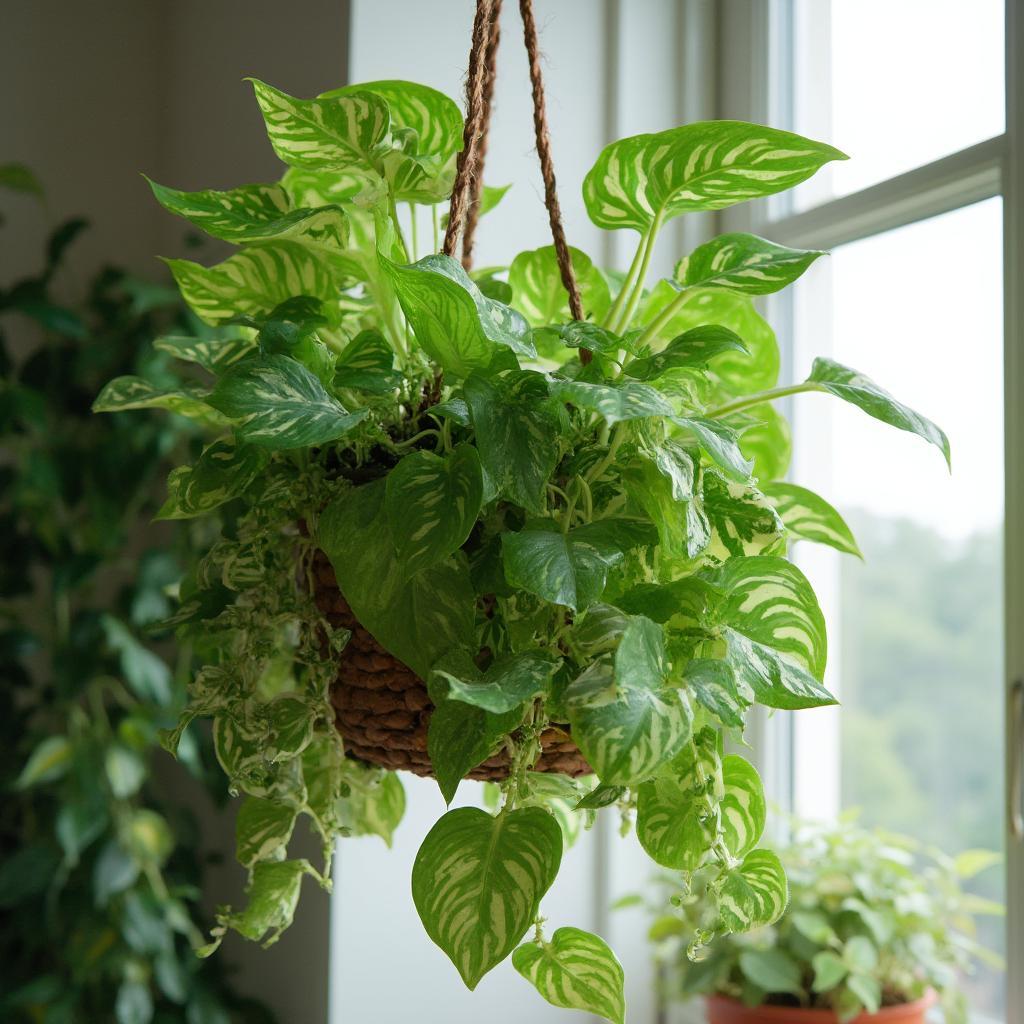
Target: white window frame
755, 37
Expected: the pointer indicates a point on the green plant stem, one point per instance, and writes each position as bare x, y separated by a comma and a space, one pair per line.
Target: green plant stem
652, 330
760, 397
413, 232
647, 247
393, 208
437, 227
618, 436
612, 316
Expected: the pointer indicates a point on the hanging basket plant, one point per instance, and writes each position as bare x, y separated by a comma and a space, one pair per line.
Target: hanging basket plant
525, 524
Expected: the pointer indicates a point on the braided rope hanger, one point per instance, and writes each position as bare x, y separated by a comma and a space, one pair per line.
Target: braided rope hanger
464, 210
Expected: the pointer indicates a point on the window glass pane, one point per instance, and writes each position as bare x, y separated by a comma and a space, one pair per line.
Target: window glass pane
895, 83
916, 629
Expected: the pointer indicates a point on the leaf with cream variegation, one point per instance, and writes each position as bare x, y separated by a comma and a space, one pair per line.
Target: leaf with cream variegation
754, 893
538, 292
744, 263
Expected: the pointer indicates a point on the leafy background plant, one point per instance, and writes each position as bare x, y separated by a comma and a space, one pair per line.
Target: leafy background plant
99, 875
547, 540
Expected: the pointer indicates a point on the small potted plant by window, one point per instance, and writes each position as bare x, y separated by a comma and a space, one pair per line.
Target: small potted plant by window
877, 929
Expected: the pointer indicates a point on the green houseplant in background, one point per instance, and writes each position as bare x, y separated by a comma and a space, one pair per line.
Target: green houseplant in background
874, 921
98, 878
559, 539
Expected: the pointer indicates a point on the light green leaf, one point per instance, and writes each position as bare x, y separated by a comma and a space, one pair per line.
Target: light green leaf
766, 438
569, 569
506, 685
720, 442
664, 489
419, 619
145, 673
20, 178
972, 862
771, 679
693, 348
374, 806
262, 830
48, 762
253, 282
829, 971
367, 364
213, 354
273, 896
538, 292
125, 770
134, 1002
743, 263
860, 955
575, 971
625, 400
135, 393
276, 403
516, 431
432, 503
743, 806
744, 521
713, 683
809, 516
703, 166
771, 970
626, 733
640, 661
753, 894
455, 323
868, 991
334, 133
477, 882
114, 871
291, 722
222, 472
858, 390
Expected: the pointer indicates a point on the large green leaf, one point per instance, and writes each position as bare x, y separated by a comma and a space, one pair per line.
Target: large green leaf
622, 400
576, 971
516, 434
809, 516
664, 488
223, 471
455, 323
123, 393
743, 806
253, 282
275, 402
744, 263
714, 684
213, 354
858, 390
419, 619
538, 292
569, 569
744, 521
754, 893
432, 503
262, 830
704, 166
478, 880
770, 678
507, 685
334, 133
693, 348
367, 364
766, 438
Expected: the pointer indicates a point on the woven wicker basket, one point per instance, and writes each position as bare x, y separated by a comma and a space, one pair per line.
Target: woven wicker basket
383, 709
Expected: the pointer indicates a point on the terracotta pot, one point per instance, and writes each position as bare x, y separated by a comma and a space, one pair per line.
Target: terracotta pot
722, 1010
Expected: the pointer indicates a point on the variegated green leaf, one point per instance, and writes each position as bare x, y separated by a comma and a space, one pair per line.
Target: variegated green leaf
253, 282
858, 390
769, 678
507, 685
432, 503
516, 429
704, 166
135, 393
455, 323
213, 354
742, 807
334, 133
262, 828
754, 894
375, 804
222, 471
275, 402
714, 684
538, 292
677, 818
575, 971
478, 880
720, 442
743, 520
809, 516
625, 400
367, 364
693, 348
626, 733
743, 263
49, 761
771, 602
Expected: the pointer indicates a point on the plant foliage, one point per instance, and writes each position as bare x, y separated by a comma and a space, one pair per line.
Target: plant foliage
545, 539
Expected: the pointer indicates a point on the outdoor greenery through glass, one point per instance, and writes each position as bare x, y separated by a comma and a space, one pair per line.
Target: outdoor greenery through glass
598, 546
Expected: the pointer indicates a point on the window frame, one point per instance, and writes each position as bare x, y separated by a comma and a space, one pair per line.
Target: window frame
754, 39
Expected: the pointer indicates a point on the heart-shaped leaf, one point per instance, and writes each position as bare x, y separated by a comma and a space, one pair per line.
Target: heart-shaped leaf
809, 516
223, 471
743, 520
772, 680
538, 292
703, 166
432, 503
742, 807
753, 894
507, 685
744, 263
275, 402
693, 348
478, 880
253, 282
575, 971
262, 828
858, 390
